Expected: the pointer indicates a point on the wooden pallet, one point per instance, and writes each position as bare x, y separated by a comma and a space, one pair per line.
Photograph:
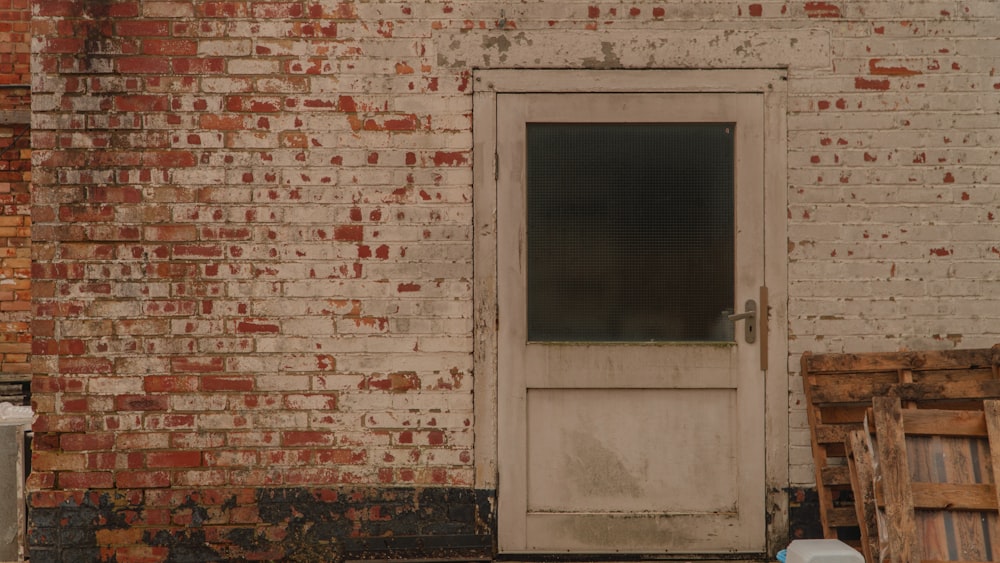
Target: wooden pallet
929, 483
839, 389
861, 463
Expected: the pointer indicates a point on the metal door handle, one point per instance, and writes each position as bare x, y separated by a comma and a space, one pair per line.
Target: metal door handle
750, 316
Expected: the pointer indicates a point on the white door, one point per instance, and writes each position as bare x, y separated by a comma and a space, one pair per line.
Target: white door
631, 407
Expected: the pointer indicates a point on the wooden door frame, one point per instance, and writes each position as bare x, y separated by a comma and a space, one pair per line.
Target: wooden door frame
772, 84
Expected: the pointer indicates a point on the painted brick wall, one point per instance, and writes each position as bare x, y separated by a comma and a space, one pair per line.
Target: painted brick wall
894, 189
15, 221
252, 237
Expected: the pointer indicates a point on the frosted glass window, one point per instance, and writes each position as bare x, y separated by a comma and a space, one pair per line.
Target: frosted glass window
630, 232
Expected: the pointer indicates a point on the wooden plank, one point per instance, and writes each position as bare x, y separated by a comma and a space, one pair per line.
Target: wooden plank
837, 475
860, 391
824, 493
861, 464
842, 414
937, 376
941, 390
954, 496
842, 516
894, 475
937, 422
835, 434
991, 410
888, 361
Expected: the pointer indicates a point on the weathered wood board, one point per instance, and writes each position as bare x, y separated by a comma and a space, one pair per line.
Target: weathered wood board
932, 486
861, 462
839, 389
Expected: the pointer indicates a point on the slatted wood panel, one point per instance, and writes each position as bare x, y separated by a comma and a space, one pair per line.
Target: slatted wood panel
839, 389
935, 477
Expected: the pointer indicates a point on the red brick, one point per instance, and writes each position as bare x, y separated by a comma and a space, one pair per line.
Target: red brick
222, 122
170, 383
84, 365
213, 383
198, 66
169, 47
861, 83
450, 158
198, 251
197, 365
155, 460
247, 327
169, 159
143, 65
141, 403
142, 479
142, 28
342, 456
822, 10
170, 232
876, 68
63, 45
87, 213
77, 442
353, 233
85, 480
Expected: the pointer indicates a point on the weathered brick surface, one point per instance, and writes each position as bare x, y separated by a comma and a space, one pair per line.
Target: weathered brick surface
252, 221
15, 220
15, 45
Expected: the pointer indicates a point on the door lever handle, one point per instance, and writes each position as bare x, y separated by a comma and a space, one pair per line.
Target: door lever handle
750, 316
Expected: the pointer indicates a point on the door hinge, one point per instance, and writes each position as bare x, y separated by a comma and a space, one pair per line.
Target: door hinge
496, 166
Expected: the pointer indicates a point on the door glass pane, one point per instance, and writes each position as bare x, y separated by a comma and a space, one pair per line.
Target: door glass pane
630, 232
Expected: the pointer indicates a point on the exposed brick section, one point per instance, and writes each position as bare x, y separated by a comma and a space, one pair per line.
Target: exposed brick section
15, 262
15, 43
252, 232
15, 196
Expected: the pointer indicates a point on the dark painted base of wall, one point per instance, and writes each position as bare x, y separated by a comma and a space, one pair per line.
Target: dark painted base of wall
286, 524
803, 515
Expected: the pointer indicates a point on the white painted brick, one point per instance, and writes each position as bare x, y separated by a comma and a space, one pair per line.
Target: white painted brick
282, 382
225, 47
252, 66
281, 420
